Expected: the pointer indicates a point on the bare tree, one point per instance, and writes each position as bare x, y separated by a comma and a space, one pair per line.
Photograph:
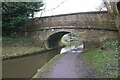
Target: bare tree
113, 10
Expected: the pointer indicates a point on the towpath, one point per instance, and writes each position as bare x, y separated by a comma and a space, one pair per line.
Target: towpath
69, 65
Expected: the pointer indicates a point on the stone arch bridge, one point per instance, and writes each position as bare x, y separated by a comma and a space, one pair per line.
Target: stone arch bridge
92, 27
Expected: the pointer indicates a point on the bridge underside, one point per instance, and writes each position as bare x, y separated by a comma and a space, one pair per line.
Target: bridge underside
54, 40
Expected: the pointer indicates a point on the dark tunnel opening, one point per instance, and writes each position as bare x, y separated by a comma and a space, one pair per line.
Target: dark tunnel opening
118, 6
53, 40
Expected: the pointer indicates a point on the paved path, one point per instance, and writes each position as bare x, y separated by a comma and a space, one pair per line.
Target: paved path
68, 66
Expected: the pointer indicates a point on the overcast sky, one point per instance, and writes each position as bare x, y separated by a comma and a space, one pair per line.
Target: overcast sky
56, 7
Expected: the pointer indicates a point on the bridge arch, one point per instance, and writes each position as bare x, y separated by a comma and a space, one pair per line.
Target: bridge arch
53, 40
118, 6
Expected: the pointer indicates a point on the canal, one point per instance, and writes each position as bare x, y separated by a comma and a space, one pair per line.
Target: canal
26, 67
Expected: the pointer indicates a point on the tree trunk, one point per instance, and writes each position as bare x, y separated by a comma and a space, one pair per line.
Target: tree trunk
113, 10
117, 22
108, 6
116, 15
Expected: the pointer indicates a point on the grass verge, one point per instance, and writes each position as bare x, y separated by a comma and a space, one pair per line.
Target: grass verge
104, 59
18, 46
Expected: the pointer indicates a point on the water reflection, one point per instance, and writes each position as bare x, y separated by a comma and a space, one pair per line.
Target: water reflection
72, 46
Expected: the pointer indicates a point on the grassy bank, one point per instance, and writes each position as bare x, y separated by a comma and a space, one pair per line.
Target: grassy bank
18, 46
104, 59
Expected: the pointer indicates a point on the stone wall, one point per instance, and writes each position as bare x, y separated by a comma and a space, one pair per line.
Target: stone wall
99, 20
94, 27
85, 35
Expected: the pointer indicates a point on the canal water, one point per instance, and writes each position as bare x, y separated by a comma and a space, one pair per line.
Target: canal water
26, 67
